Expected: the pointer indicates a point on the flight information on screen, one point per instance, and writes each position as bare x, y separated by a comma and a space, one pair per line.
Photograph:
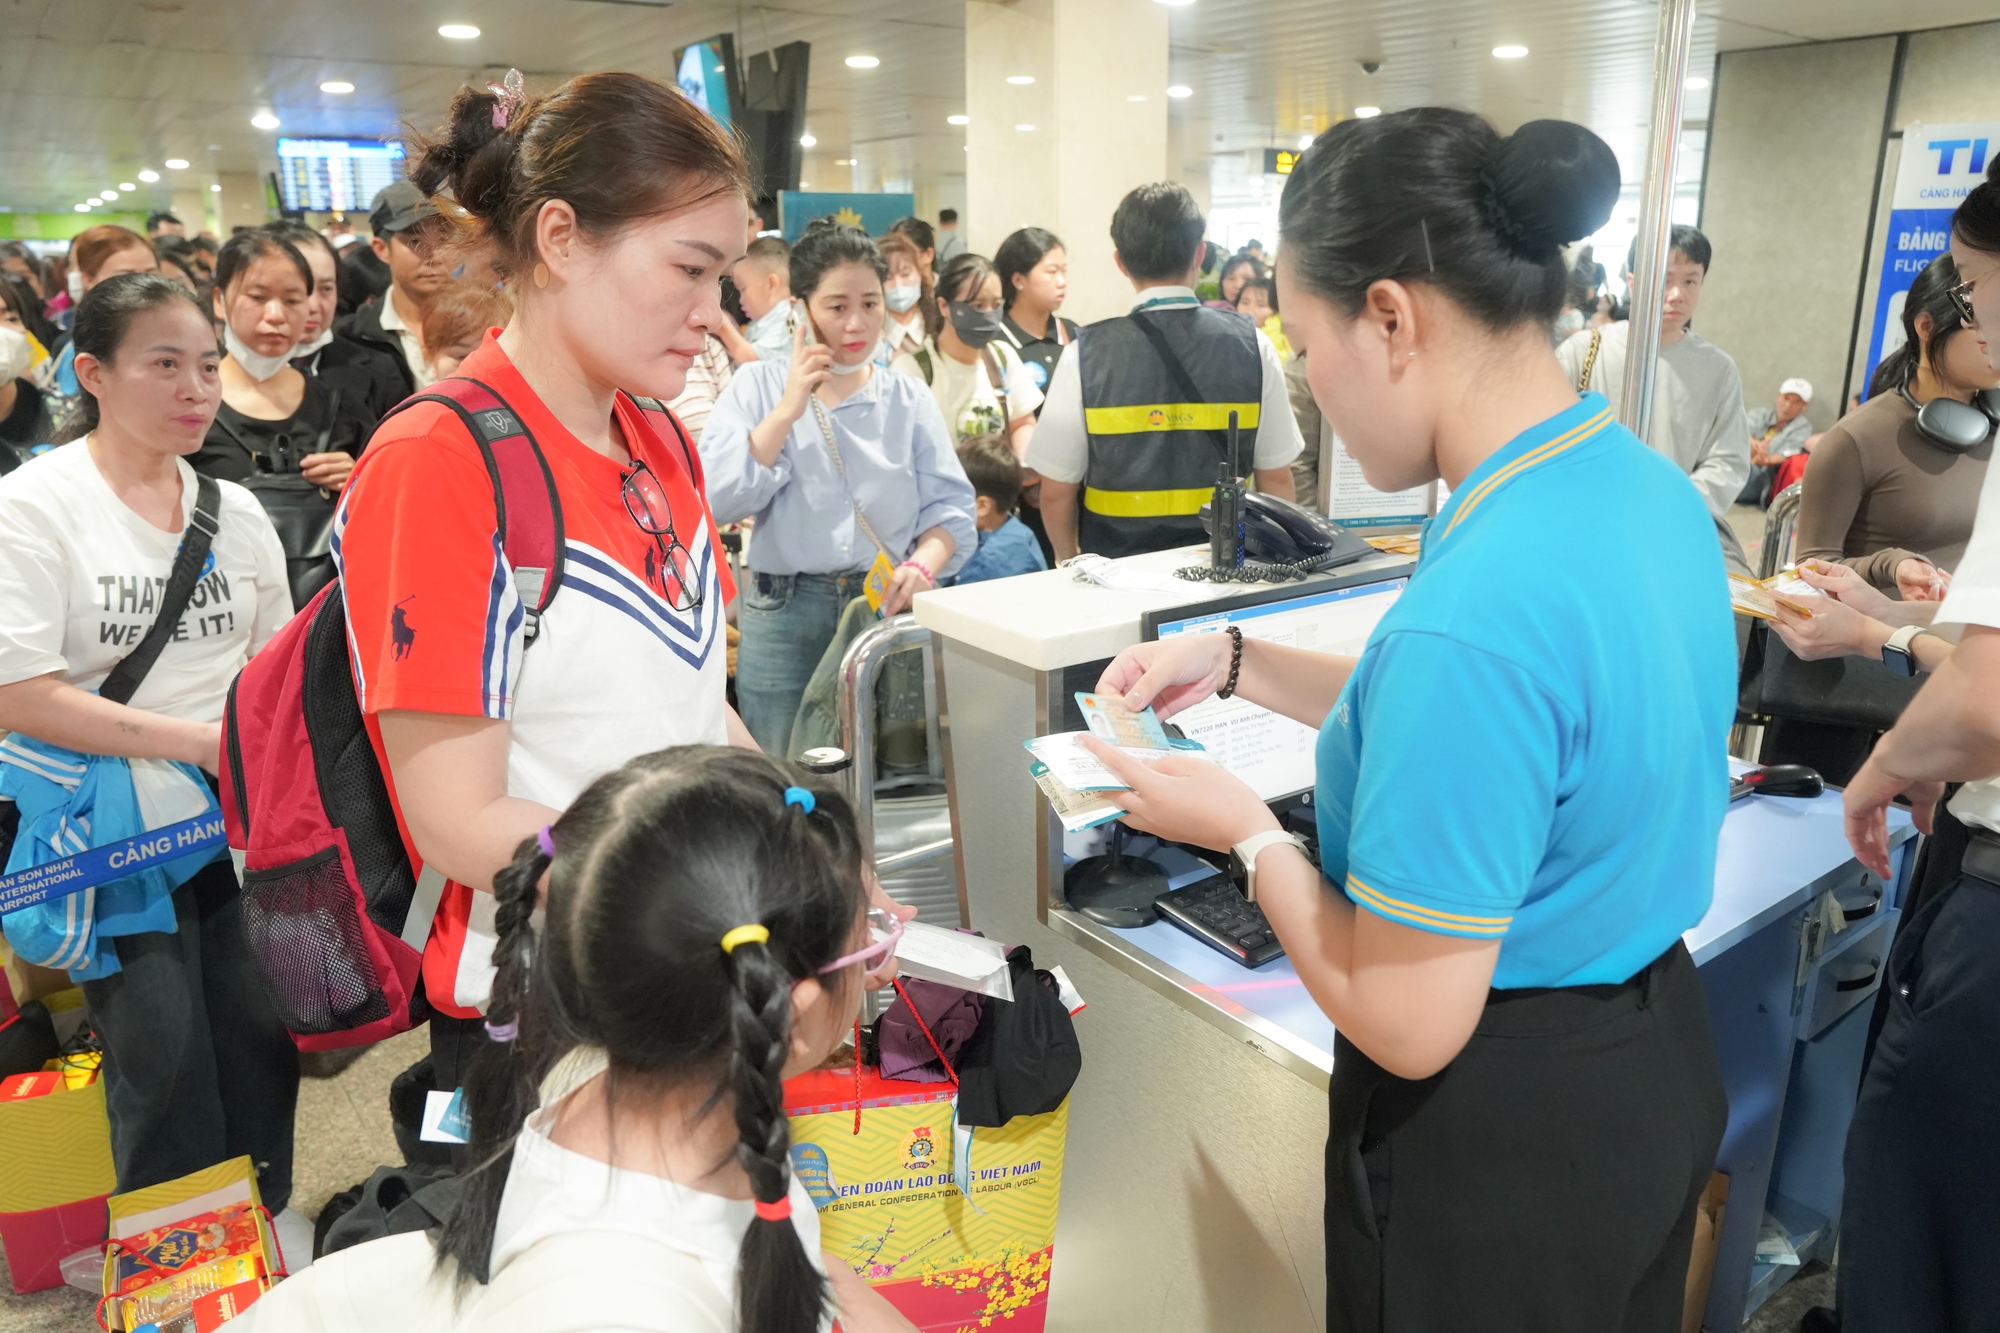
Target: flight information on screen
328, 175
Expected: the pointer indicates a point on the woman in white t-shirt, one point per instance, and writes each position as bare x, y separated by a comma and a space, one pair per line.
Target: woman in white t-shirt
197, 1067
978, 379
705, 936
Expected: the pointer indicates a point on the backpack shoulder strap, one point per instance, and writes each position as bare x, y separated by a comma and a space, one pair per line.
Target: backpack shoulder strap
998, 379
527, 511
922, 356
659, 414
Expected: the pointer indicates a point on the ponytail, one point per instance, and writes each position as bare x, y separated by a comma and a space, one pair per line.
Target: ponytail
779, 1289
502, 1088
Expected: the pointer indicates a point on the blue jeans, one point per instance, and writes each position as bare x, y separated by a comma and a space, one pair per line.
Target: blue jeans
786, 620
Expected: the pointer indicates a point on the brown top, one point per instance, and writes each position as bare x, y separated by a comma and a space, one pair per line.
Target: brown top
1877, 493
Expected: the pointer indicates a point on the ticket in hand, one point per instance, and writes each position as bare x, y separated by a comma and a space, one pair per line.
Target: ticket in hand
1110, 720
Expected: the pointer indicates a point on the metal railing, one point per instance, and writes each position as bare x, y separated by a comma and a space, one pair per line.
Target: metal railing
1779, 521
860, 671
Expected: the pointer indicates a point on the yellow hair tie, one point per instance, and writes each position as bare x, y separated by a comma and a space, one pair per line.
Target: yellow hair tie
752, 934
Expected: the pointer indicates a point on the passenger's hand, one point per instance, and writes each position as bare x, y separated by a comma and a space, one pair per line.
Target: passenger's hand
1184, 799
1921, 581
878, 897
1832, 630
1866, 811
905, 584
1847, 587
329, 471
1759, 456
812, 362
1170, 674
862, 1308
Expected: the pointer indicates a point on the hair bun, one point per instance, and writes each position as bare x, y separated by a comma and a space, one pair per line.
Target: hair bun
1549, 183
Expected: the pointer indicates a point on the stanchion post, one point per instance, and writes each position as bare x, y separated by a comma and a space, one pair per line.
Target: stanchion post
1656, 210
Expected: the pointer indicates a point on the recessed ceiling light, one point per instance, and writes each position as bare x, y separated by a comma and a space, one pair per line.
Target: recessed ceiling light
177, 164
1696, 84
127, 185
336, 86
458, 32
1364, 112
1510, 52
958, 120
1174, 4
1180, 90
1025, 129
109, 196
807, 141
149, 176
215, 189
83, 208
264, 120
862, 62
1021, 80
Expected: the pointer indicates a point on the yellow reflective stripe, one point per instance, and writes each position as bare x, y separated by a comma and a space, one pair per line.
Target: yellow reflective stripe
1428, 918
1145, 504
1541, 453
1168, 416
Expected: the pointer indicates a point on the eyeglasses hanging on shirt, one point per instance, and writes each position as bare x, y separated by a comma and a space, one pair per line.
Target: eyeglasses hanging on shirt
674, 574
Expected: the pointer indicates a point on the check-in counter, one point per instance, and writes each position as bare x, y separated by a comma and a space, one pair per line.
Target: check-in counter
1193, 1186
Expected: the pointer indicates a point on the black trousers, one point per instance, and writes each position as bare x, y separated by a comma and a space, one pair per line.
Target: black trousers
1920, 1219
1545, 1182
197, 1066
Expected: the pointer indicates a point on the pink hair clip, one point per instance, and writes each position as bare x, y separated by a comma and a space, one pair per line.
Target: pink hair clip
509, 93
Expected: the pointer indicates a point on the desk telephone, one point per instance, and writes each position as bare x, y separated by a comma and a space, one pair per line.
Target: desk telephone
1258, 538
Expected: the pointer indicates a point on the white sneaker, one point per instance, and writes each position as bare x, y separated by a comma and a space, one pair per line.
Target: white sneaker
294, 1231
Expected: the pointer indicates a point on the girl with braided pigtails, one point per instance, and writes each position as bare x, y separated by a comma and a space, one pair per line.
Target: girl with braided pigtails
704, 935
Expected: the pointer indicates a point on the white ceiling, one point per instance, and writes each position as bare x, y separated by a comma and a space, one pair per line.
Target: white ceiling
91, 91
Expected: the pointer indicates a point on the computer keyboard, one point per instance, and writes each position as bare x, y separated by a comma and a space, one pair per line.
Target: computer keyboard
1213, 912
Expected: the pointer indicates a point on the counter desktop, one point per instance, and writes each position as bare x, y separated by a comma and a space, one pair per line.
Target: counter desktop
1193, 1187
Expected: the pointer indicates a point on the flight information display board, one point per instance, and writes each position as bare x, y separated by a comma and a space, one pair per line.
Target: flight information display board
335, 175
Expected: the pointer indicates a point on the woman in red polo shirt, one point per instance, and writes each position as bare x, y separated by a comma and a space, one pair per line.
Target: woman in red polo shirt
614, 206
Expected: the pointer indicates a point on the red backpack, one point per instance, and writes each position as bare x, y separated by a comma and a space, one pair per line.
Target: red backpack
335, 910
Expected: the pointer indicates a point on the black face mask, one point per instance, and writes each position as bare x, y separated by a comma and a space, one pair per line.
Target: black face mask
975, 328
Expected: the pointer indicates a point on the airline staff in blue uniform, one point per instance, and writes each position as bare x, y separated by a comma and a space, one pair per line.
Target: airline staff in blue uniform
1521, 778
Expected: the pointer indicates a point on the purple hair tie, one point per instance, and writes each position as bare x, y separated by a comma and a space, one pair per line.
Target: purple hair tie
503, 1032
546, 843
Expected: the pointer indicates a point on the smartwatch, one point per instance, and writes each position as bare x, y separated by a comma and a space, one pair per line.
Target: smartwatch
1247, 850
1896, 654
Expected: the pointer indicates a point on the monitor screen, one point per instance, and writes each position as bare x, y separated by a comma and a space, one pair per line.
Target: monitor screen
335, 175
1275, 754
704, 77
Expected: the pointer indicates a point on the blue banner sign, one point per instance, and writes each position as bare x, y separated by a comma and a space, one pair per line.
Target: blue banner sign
101, 865
873, 213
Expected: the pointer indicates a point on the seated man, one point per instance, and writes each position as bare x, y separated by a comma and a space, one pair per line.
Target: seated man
1776, 433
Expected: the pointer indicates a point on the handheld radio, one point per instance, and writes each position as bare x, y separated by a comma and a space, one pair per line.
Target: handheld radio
1225, 536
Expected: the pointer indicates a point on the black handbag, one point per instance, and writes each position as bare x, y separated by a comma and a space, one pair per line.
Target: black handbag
1840, 691
301, 512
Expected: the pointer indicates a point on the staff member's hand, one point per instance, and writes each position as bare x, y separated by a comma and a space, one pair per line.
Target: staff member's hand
1170, 674
1866, 810
812, 362
1184, 799
328, 471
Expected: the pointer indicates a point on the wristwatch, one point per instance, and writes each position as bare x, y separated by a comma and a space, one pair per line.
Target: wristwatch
1896, 654
1246, 854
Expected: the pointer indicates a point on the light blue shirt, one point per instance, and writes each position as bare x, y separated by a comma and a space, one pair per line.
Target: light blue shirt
901, 470
1533, 746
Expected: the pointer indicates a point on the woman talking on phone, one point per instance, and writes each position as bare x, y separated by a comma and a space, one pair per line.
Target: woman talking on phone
842, 465
1525, 1104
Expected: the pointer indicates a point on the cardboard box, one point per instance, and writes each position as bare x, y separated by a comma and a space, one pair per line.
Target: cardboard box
889, 1204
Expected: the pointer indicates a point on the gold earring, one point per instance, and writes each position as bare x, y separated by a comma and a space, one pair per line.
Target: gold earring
541, 275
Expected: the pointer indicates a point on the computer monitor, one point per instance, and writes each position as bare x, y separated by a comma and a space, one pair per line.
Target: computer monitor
1271, 753
706, 73
335, 175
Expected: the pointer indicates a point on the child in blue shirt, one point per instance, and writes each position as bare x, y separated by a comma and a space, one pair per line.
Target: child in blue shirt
1006, 545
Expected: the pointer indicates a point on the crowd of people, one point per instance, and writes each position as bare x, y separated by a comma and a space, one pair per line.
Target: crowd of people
744, 436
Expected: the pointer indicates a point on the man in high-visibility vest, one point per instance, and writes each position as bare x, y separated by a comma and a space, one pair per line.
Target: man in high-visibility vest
1139, 405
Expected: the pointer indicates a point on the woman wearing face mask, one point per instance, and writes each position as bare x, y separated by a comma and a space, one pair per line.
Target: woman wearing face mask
1517, 1016
980, 384
840, 464
25, 420
369, 382
278, 431
912, 314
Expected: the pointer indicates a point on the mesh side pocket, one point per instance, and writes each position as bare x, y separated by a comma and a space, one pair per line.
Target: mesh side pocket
307, 939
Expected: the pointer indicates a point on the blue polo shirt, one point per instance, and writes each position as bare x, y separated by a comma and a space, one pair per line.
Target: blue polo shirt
1533, 745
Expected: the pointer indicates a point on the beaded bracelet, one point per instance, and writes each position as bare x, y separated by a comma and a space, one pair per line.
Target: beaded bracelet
923, 569
1235, 661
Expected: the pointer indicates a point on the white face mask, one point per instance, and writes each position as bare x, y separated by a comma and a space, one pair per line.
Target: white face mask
15, 353
76, 284
257, 366
901, 298
313, 344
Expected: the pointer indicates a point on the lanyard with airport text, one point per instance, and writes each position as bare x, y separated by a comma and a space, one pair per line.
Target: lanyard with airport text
101, 865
